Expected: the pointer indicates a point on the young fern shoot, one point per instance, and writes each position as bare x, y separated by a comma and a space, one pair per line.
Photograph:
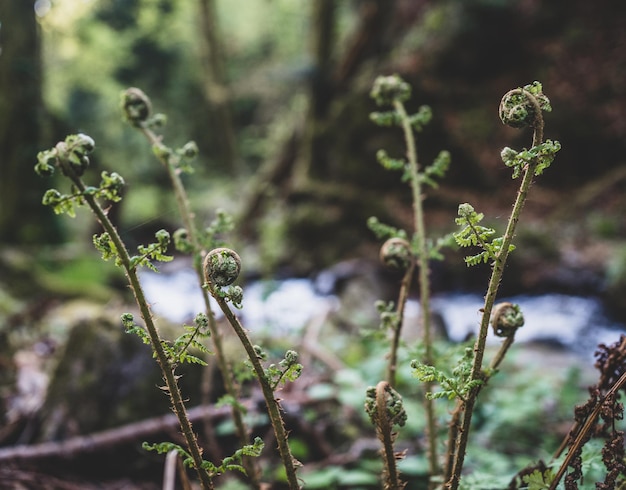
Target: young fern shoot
137, 110
384, 406
416, 251
71, 157
522, 107
221, 269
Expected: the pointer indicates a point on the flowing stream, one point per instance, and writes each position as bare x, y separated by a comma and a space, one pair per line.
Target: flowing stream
285, 306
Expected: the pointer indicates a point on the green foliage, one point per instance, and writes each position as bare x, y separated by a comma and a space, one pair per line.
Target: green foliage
390, 89
438, 168
166, 447
288, 369
234, 462
147, 253
536, 88
230, 463
393, 164
182, 243
388, 315
46, 162
519, 108
153, 251
177, 352
538, 480
331, 477
229, 400
61, 203
473, 234
71, 156
383, 231
387, 118
128, 322
457, 384
543, 154
396, 253
385, 408
222, 223
392, 118
506, 319
434, 247
421, 118
105, 245
462, 382
180, 159
478, 480
234, 294
221, 268
109, 189
223, 265
393, 91
191, 339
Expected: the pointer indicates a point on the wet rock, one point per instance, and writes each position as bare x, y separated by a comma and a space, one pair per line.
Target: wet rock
30, 386
104, 377
357, 284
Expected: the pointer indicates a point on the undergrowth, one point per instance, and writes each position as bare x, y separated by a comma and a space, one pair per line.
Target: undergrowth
431, 415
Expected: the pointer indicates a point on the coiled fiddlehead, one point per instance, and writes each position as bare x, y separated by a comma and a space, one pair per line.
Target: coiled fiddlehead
384, 406
136, 106
519, 111
506, 319
396, 253
222, 267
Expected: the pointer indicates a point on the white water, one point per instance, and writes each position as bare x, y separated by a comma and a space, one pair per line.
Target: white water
286, 306
575, 321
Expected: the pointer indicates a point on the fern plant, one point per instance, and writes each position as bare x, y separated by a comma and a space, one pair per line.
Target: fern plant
459, 382
71, 157
519, 108
403, 250
137, 110
217, 269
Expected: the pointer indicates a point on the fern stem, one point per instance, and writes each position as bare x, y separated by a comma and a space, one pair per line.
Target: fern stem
271, 402
504, 348
492, 291
385, 432
423, 275
403, 297
155, 339
187, 215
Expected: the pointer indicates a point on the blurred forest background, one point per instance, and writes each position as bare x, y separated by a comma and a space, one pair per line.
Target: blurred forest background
276, 95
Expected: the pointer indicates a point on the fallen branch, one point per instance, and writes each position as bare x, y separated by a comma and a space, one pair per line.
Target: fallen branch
144, 429
105, 439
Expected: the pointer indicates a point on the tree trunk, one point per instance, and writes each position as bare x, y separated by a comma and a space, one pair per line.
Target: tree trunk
216, 87
321, 90
21, 115
304, 158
